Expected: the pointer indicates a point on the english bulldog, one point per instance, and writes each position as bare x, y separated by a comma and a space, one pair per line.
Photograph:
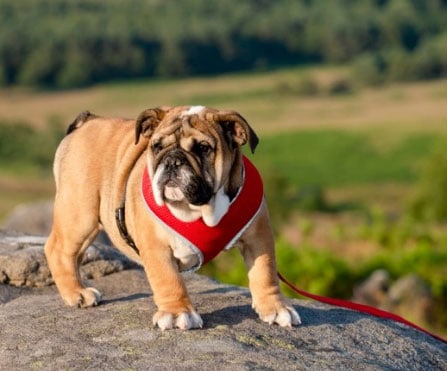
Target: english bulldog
193, 164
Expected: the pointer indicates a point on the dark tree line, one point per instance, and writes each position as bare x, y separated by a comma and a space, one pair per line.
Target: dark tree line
68, 43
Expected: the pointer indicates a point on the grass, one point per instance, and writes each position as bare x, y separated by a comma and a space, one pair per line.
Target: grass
337, 141
335, 158
347, 140
260, 97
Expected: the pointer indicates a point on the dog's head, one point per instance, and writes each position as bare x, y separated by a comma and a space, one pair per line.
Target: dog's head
194, 158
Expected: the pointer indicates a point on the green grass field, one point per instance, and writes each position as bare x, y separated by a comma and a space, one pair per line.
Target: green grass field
336, 140
336, 158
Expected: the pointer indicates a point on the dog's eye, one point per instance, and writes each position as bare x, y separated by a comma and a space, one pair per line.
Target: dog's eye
202, 149
157, 147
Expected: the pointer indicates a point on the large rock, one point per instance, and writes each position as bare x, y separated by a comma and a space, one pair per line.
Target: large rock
23, 263
33, 218
36, 218
38, 332
409, 296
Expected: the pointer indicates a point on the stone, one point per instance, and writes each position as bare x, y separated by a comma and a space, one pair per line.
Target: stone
33, 218
38, 331
23, 263
408, 296
36, 218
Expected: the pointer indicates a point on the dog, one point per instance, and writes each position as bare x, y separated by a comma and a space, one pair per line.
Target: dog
193, 161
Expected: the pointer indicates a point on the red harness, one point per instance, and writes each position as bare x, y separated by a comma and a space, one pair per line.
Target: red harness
206, 241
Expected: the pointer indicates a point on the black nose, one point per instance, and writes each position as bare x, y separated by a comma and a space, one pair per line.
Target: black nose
174, 159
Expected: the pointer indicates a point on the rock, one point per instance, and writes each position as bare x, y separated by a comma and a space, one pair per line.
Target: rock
36, 218
23, 263
412, 298
32, 218
409, 296
39, 332
374, 290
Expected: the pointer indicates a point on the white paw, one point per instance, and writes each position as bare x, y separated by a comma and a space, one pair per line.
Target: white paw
285, 316
184, 321
83, 298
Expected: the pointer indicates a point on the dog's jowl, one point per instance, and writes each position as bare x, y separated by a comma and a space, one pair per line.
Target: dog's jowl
171, 189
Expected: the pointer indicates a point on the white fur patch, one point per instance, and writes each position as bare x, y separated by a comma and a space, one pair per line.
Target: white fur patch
185, 253
186, 213
158, 193
193, 110
213, 212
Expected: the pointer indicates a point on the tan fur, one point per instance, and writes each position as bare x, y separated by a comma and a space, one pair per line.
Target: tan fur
92, 166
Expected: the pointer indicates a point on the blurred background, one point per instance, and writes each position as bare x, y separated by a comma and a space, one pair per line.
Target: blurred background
349, 98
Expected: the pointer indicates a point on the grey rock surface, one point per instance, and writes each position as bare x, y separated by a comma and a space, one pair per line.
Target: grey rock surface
38, 332
23, 263
33, 218
36, 218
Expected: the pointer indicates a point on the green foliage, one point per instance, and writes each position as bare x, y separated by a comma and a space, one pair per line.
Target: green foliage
329, 158
61, 43
428, 61
23, 147
430, 200
317, 271
427, 259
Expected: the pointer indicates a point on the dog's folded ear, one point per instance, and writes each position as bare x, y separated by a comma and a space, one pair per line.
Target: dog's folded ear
237, 128
148, 120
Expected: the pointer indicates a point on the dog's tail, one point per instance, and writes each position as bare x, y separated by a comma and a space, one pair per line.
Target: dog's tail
82, 118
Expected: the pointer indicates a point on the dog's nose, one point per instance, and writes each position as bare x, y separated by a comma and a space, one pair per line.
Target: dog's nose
174, 159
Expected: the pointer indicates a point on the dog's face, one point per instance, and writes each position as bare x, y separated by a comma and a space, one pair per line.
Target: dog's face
194, 158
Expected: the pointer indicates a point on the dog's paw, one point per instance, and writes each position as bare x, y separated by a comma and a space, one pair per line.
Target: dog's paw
83, 298
183, 321
281, 314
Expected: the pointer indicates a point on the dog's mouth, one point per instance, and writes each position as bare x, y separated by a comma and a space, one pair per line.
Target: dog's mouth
172, 192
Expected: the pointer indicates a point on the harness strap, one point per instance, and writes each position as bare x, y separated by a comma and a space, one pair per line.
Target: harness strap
358, 307
120, 218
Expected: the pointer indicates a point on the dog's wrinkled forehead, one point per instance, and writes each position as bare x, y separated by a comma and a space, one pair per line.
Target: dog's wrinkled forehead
185, 120
184, 126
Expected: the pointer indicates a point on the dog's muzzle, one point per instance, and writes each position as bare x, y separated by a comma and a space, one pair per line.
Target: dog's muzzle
176, 179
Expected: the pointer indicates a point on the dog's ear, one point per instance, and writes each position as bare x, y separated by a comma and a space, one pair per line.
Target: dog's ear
148, 120
237, 128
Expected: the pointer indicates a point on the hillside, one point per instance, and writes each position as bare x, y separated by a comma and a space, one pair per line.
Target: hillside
271, 101
77, 43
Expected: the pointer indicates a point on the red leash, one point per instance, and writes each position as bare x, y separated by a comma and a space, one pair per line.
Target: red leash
358, 307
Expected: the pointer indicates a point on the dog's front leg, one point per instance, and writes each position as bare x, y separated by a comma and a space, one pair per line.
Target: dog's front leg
257, 247
170, 295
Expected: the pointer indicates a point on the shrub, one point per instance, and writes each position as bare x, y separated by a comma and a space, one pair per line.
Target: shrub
340, 86
430, 199
430, 60
24, 146
308, 86
369, 69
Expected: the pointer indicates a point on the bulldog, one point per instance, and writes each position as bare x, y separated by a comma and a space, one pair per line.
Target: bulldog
192, 161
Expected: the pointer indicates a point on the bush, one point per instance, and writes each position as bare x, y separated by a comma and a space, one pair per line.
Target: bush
430, 199
307, 86
24, 146
369, 69
317, 271
430, 60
